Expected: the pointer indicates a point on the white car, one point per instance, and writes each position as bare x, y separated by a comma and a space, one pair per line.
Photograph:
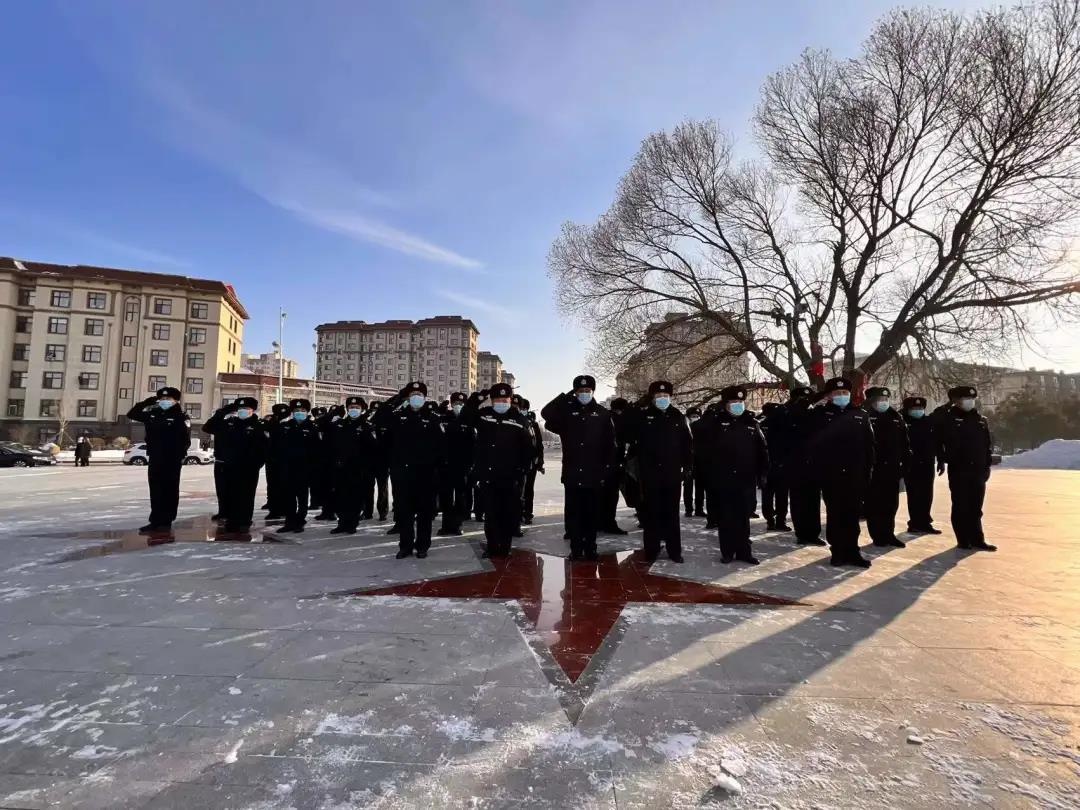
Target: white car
136, 454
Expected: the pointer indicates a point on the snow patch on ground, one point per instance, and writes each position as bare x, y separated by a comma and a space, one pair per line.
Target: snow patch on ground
1056, 454
676, 746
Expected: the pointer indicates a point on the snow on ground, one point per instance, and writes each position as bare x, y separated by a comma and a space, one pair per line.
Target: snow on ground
1056, 454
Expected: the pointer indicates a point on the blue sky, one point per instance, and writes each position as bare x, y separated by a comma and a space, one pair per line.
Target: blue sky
366, 160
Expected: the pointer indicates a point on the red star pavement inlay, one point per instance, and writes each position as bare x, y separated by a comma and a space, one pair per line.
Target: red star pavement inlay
573, 606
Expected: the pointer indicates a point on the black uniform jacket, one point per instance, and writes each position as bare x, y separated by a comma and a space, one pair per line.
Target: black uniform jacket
663, 446
168, 432
839, 445
504, 449
892, 449
730, 451
964, 442
588, 439
237, 441
415, 441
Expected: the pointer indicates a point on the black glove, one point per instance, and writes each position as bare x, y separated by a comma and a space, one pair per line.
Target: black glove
941, 468
149, 401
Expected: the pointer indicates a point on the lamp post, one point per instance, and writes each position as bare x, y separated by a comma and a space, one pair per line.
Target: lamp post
314, 374
280, 346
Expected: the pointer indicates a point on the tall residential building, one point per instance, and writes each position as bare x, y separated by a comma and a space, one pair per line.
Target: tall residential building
508, 379
440, 351
79, 346
269, 363
489, 369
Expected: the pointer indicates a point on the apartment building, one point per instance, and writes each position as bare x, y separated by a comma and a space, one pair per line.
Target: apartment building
264, 387
507, 378
489, 369
441, 351
79, 345
269, 363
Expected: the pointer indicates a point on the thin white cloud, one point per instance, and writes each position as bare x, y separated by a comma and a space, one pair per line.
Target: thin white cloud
502, 314
312, 189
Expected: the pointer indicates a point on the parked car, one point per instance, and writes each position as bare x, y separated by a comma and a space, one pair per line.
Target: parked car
13, 454
136, 454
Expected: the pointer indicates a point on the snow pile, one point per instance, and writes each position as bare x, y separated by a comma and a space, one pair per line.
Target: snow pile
1056, 454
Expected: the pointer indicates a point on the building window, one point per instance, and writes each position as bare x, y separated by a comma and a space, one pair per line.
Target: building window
55, 352
94, 327
131, 311
159, 357
23, 323
193, 410
87, 408
127, 366
21, 351
129, 341
196, 360
200, 310
154, 382
194, 385
161, 331
163, 306
91, 354
58, 326
52, 379
196, 336
125, 393
26, 296
61, 298
16, 407
97, 300
89, 380
49, 407
19, 378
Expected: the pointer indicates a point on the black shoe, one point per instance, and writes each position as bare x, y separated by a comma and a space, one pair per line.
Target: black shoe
401, 555
486, 554
575, 556
382, 517
858, 560
527, 520
698, 513
366, 516
217, 516
726, 558
395, 529
235, 528
770, 525
650, 556
264, 507
288, 527
518, 533
749, 559
421, 555
676, 558
964, 546
712, 525
983, 547
782, 527
754, 515
339, 529
689, 513
566, 536
896, 542
274, 516
443, 532
615, 528
149, 527
923, 530
837, 559
817, 541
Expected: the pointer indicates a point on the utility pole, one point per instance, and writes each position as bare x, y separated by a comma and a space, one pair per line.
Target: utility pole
314, 373
280, 345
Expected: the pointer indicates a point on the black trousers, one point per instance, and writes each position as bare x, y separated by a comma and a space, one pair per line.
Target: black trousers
478, 498
730, 508
164, 480
219, 487
806, 510
968, 494
236, 497
751, 498
919, 483
351, 490
843, 500
528, 493
322, 488
503, 504
609, 502
660, 518
880, 505
453, 487
295, 492
694, 494
379, 480
581, 516
82, 461
774, 497
414, 510
275, 496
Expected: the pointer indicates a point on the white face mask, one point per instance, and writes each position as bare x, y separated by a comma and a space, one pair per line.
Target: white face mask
416, 401
354, 413
967, 404
457, 408
244, 413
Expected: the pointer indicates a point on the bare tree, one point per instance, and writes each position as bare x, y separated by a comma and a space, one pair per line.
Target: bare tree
921, 197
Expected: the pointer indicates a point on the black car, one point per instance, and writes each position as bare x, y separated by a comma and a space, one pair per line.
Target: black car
13, 454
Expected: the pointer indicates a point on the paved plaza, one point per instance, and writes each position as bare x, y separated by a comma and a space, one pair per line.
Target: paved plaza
323, 673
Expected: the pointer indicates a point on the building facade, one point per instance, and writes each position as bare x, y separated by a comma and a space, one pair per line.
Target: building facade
269, 363
264, 387
79, 346
489, 370
506, 378
441, 351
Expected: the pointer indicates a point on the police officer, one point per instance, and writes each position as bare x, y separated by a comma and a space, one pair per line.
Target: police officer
609, 502
378, 504
892, 454
168, 436
588, 458
275, 501
919, 478
775, 425
804, 490
965, 447
416, 448
322, 496
693, 491
535, 466
840, 455
240, 446
664, 453
503, 454
454, 479
298, 453
732, 451
350, 444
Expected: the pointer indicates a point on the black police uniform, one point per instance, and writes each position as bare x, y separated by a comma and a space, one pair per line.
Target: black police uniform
804, 489
919, 478
892, 454
966, 446
297, 449
701, 484
609, 501
693, 491
775, 425
840, 453
168, 436
416, 447
322, 480
502, 455
377, 496
588, 457
351, 443
664, 454
275, 500
240, 447
454, 497
528, 494
734, 457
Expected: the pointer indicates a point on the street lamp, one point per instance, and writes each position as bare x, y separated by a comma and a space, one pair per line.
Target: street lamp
314, 373
279, 345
